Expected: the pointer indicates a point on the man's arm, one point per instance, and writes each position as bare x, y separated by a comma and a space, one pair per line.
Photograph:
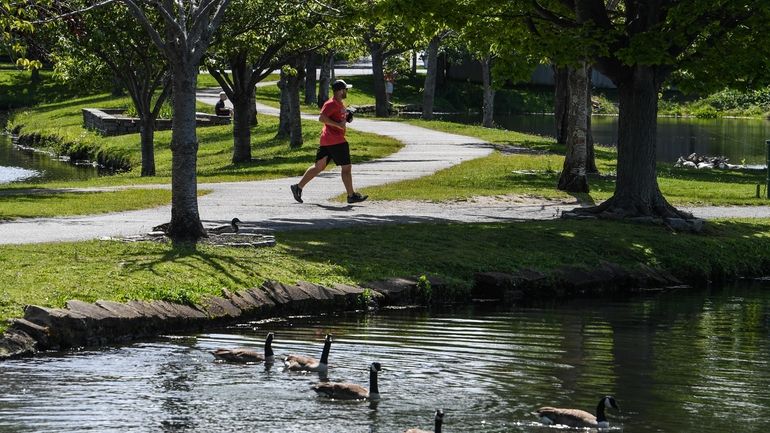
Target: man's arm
326, 120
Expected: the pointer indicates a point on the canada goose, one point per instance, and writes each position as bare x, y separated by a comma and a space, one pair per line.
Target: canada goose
351, 391
577, 417
436, 424
162, 227
307, 363
242, 355
226, 228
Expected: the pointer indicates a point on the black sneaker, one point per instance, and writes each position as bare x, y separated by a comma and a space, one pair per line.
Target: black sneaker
297, 192
357, 197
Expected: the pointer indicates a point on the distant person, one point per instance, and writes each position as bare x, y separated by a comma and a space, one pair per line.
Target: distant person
390, 79
333, 145
220, 107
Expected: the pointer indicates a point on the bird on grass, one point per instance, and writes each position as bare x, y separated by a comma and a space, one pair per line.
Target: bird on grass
576, 417
352, 391
308, 363
438, 420
247, 356
226, 228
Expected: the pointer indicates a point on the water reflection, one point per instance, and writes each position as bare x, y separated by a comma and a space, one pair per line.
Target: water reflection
738, 139
685, 361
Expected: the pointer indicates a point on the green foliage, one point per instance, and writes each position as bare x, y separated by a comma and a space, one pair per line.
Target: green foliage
424, 289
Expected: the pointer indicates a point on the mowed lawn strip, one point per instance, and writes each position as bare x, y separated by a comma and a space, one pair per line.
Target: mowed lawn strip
51, 204
513, 172
51, 274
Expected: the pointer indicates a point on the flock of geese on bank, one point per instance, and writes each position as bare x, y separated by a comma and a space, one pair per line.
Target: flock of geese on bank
351, 391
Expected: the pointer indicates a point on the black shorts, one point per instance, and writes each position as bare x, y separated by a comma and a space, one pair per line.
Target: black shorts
339, 153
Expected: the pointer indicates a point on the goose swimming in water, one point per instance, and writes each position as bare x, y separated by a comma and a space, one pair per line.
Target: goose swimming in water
241, 355
438, 420
226, 228
308, 363
352, 391
577, 417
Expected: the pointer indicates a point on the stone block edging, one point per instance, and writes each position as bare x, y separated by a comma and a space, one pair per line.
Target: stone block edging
83, 324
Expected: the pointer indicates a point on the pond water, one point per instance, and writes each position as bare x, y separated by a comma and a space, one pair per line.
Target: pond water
738, 139
682, 361
26, 165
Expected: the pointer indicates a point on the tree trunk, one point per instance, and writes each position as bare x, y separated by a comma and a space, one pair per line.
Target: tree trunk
284, 127
324, 80
636, 189
429, 91
185, 220
253, 119
378, 74
310, 80
241, 96
242, 116
590, 154
488, 105
414, 63
293, 84
561, 102
573, 175
147, 134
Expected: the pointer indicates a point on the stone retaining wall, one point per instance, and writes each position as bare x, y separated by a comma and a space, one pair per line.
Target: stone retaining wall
83, 324
109, 122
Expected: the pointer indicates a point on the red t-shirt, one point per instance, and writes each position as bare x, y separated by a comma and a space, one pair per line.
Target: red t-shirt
334, 110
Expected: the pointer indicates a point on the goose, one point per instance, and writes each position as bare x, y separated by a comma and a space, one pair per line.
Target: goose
162, 227
307, 363
577, 417
241, 355
436, 424
226, 228
352, 391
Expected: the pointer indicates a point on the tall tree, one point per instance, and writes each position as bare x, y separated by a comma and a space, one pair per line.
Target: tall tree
257, 38
183, 38
386, 33
638, 45
573, 176
128, 54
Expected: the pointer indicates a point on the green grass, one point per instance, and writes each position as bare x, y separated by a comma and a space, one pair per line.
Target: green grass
206, 80
271, 158
48, 204
537, 174
51, 274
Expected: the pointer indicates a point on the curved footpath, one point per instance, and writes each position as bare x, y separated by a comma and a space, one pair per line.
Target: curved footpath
268, 205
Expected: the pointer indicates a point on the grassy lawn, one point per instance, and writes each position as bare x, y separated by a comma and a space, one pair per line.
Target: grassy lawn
49, 204
50, 274
536, 174
18, 90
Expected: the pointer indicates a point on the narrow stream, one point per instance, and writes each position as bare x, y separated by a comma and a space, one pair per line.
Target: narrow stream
684, 361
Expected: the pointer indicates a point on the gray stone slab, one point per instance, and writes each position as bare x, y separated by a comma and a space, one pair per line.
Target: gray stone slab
89, 310
217, 307
121, 310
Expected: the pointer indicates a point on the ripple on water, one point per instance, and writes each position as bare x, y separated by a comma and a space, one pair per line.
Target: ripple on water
677, 362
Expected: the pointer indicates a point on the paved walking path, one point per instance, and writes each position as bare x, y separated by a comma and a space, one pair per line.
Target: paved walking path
268, 205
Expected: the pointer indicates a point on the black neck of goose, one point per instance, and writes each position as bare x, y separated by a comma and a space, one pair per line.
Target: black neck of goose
437, 425
600, 416
373, 388
268, 348
325, 353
